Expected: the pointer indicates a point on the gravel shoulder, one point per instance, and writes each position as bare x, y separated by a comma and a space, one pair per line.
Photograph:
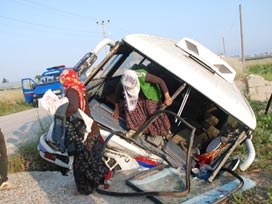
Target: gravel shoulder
53, 188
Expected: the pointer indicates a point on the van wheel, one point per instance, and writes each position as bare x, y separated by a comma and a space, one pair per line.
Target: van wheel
35, 104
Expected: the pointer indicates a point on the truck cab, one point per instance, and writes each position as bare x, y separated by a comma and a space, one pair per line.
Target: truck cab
33, 90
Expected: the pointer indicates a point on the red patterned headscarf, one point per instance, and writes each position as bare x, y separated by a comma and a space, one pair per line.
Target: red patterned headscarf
69, 79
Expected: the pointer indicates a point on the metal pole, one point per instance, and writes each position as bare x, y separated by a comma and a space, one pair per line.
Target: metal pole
103, 23
225, 54
104, 34
242, 35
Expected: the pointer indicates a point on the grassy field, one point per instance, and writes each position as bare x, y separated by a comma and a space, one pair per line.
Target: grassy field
260, 170
12, 101
243, 70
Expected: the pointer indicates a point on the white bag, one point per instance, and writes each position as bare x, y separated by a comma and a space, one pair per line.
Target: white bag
50, 101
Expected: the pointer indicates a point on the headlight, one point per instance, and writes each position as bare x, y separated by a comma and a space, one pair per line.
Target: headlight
57, 91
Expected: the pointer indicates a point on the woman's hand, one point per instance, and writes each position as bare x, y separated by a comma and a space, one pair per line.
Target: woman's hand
115, 113
168, 100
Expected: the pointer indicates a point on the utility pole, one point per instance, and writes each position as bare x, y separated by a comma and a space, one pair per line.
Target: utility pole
103, 24
224, 47
242, 35
104, 34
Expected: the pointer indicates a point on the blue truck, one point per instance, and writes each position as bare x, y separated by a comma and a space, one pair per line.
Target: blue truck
33, 90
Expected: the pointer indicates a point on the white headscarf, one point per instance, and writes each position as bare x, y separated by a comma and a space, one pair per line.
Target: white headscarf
131, 86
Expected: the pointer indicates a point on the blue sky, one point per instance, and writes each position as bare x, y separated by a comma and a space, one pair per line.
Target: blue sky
36, 34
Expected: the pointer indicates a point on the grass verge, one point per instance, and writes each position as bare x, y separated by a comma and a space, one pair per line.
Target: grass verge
260, 170
264, 70
27, 157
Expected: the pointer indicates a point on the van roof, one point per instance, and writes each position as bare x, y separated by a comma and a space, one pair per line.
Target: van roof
198, 71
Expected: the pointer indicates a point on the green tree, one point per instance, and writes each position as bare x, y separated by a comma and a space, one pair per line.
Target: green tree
4, 80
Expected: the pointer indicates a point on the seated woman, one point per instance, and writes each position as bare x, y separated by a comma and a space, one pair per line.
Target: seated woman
142, 94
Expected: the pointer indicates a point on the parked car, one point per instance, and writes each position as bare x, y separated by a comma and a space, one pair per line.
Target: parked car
209, 116
33, 90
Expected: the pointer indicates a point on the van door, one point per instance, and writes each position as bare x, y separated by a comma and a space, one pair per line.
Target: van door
28, 86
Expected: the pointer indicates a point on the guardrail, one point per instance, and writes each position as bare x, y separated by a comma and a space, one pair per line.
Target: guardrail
10, 85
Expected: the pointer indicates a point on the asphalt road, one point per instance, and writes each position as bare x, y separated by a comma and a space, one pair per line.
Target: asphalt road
23, 126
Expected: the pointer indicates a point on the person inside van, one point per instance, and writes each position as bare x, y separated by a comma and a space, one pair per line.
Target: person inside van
142, 94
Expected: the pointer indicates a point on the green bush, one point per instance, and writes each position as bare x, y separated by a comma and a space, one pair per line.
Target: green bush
264, 70
28, 159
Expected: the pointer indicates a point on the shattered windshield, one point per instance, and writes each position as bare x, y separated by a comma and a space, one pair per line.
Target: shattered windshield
131, 59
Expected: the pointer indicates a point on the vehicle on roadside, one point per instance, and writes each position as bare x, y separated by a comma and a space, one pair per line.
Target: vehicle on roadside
209, 116
33, 90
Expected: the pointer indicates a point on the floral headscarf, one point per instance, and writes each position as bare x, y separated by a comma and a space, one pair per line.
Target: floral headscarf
131, 86
70, 79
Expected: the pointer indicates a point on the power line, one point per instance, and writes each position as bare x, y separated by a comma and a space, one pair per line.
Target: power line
43, 26
49, 7
234, 21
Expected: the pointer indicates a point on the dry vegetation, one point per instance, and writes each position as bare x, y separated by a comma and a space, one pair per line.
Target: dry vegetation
240, 69
259, 61
11, 95
12, 101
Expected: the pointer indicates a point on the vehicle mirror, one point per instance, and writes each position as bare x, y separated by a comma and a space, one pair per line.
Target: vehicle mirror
84, 64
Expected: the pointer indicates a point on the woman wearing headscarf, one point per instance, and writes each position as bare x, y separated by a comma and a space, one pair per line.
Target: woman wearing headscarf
143, 94
88, 168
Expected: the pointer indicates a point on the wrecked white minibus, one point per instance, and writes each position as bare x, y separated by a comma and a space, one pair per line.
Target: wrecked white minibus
209, 116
